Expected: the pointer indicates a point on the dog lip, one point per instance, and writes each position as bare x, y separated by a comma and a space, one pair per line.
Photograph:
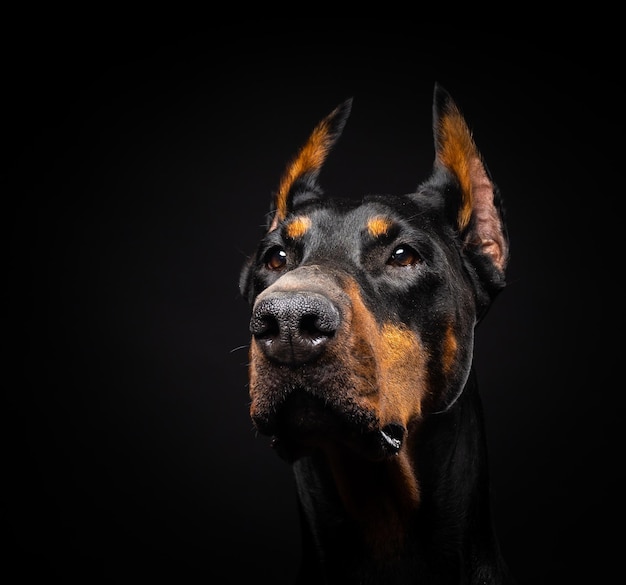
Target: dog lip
304, 422
374, 446
303, 413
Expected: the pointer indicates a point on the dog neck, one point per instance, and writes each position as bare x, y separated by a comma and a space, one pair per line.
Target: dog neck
364, 516
376, 498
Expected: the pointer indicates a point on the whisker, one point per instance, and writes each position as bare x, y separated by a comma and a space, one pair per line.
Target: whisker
240, 347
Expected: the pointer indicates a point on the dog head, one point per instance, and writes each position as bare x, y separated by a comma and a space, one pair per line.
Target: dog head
363, 312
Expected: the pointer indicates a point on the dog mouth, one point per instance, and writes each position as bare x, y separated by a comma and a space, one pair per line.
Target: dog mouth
305, 422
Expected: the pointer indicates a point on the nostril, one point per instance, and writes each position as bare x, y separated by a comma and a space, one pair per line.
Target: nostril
316, 326
264, 326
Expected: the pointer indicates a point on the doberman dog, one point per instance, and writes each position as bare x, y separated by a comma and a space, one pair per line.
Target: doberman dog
363, 316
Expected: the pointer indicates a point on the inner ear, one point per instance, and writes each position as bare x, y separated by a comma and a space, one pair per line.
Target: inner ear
487, 230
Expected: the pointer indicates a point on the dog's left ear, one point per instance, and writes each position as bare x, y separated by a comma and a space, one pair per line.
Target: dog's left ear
478, 212
299, 180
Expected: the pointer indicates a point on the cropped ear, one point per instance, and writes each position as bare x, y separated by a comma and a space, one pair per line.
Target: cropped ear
478, 213
300, 177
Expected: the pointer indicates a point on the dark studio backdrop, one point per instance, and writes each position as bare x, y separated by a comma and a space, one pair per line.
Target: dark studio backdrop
144, 172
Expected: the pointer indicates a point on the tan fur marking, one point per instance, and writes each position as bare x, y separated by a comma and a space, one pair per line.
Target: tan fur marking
402, 365
457, 154
450, 346
378, 226
298, 227
396, 361
310, 158
399, 361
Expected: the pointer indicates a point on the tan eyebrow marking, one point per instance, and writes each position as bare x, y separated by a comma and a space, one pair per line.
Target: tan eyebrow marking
298, 227
379, 226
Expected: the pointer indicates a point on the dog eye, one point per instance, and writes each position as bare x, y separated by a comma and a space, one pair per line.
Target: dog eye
275, 258
404, 256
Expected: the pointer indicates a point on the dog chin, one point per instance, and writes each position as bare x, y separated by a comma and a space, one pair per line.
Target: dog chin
305, 423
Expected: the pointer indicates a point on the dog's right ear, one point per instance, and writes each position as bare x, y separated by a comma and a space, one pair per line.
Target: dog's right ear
300, 177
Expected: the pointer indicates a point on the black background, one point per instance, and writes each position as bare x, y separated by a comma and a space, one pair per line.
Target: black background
142, 172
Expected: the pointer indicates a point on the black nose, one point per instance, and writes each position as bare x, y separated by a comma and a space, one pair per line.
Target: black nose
294, 327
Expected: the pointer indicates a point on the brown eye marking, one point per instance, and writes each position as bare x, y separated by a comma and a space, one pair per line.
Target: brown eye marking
298, 227
275, 258
403, 256
379, 226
